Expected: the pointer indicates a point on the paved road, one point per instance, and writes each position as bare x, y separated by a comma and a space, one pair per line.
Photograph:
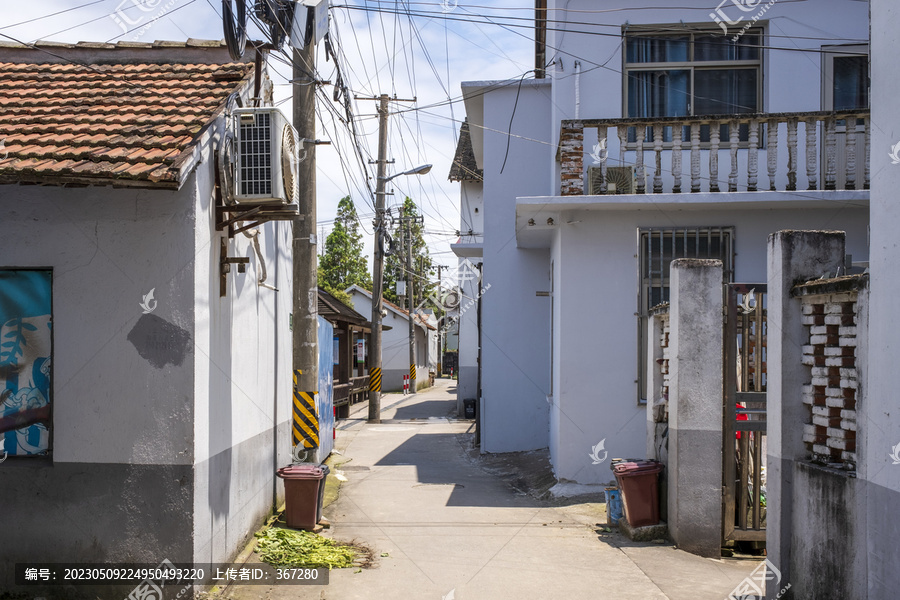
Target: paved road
451, 530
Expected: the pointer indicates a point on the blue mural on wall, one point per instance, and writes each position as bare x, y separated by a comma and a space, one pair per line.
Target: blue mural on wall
25, 351
325, 397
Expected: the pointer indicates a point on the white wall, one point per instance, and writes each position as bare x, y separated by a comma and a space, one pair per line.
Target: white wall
515, 323
883, 426
595, 302
395, 345
243, 380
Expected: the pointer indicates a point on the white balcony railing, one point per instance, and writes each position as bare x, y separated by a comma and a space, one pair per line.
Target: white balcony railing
834, 158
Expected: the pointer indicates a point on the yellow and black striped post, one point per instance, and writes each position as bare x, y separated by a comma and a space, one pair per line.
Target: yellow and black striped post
412, 378
306, 418
375, 380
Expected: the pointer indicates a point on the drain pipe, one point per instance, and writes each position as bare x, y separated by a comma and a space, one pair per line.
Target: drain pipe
577, 90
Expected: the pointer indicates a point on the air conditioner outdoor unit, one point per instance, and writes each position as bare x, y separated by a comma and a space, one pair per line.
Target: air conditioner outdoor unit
619, 180
266, 157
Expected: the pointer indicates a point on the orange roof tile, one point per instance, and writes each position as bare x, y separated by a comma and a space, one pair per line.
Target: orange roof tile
101, 124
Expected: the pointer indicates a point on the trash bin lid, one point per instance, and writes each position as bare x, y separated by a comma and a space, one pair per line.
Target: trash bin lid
638, 467
300, 472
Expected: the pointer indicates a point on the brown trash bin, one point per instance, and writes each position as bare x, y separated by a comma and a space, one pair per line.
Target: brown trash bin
639, 484
301, 494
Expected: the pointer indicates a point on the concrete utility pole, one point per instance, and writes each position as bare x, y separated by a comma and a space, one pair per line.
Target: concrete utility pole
411, 294
378, 258
305, 323
378, 267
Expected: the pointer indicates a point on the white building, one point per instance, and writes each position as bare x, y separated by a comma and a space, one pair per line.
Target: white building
580, 226
395, 341
167, 408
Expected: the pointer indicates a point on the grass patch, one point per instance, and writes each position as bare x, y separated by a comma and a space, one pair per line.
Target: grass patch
291, 548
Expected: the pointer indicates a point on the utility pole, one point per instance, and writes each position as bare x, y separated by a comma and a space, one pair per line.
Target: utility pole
408, 221
378, 259
378, 267
411, 294
305, 325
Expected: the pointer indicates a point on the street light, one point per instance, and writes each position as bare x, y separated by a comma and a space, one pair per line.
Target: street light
378, 266
420, 170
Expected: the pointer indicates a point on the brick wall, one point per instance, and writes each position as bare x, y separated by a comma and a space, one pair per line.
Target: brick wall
571, 155
830, 311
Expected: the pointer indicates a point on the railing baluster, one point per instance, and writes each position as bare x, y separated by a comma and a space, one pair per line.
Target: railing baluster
676, 157
812, 125
657, 149
734, 137
850, 153
695, 157
714, 156
792, 154
830, 154
603, 140
640, 173
753, 156
868, 150
772, 151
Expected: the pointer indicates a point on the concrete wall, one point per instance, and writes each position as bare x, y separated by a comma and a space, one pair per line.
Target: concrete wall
515, 323
694, 474
118, 486
793, 256
467, 380
882, 421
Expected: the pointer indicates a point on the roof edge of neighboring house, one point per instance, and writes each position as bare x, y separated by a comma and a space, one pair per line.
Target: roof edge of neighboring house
420, 321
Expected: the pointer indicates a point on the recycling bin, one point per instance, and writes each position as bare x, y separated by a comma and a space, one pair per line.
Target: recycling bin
639, 483
301, 494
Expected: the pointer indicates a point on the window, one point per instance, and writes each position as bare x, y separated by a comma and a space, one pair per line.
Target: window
696, 73
657, 248
25, 351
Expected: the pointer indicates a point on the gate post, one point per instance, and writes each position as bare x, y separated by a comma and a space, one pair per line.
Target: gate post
792, 256
695, 406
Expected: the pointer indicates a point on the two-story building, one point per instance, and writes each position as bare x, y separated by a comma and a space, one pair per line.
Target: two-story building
646, 135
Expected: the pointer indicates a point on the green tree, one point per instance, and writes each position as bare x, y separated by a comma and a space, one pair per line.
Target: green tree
395, 265
343, 263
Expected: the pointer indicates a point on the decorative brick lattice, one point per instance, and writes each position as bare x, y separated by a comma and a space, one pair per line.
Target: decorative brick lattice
664, 345
831, 394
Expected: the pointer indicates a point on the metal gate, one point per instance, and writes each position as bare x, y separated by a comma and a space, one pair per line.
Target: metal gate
744, 428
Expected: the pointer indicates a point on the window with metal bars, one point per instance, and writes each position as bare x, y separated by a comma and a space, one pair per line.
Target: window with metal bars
657, 248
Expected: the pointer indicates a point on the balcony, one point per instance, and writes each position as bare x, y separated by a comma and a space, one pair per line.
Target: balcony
619, 149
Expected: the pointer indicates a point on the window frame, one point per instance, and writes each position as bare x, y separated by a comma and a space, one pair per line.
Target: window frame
726, 235
692, 65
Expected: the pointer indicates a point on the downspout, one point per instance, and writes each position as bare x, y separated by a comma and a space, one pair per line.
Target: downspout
577, 90
480, 410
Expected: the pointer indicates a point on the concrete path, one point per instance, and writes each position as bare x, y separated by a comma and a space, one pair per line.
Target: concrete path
451, 530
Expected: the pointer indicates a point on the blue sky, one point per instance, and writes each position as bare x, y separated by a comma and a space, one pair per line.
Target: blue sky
409, 49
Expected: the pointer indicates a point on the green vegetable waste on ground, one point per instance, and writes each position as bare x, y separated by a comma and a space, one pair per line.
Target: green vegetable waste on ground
290, 548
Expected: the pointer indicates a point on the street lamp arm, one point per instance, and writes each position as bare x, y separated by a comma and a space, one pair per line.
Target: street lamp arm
420, 170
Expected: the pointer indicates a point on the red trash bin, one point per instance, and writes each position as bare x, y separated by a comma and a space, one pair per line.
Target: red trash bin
638, 482
301, 494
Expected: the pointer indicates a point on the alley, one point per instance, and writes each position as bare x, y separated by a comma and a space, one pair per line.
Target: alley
442, 527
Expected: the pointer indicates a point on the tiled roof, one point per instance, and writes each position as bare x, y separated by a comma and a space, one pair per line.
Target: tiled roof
464, 167
118, 120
